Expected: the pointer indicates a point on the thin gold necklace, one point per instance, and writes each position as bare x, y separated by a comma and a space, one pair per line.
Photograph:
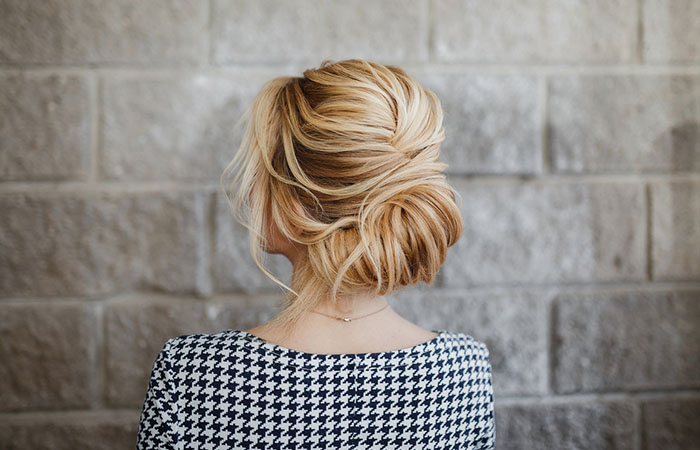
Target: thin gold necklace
347, 319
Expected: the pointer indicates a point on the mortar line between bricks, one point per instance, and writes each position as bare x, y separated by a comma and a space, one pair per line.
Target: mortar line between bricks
650, 395
640, 31
579, 284
209, 38
100, 360
431, 31
129, 293
189, 185
100, 121
66, 414
578, 177
611, 287
649, 232
638, 426
211, 239
93, 150
543, 113
552, 69
551, 336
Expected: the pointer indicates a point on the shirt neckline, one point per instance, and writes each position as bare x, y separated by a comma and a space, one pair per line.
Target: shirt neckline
339, 361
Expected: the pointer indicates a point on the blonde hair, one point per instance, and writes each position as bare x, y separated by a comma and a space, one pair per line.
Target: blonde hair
356, 145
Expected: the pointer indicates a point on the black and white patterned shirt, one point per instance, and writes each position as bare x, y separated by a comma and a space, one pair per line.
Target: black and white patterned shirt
235, 390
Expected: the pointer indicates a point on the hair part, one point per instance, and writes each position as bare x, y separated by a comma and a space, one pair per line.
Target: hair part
356, 145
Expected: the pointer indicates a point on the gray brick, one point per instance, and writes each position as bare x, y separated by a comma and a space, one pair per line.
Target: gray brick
671, 424
566, 426
306, 30
626, 340
103, 31
70, 430
671, 30
624, 123
600, 31
173, 127
44, 126
137, 327
537, 232
74, 242
244, 312
512, 324
491, 122
48, 353
675, 228
233, 266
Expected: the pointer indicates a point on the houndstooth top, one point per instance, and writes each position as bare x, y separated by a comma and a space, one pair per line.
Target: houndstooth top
235, 390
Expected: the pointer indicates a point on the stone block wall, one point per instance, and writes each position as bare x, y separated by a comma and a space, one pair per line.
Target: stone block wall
573, 138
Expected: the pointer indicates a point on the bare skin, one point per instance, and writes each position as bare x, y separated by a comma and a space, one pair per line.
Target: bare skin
315, 333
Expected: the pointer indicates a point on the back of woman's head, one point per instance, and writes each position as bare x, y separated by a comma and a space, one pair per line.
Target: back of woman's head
345, 161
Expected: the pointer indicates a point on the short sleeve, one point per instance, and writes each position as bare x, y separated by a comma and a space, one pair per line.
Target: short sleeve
487, 439
155, 424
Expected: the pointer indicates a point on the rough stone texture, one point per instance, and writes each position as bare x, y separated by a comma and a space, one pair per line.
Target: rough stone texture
118, 226
671, 424
137, 327
98, 430
599, 31
242, 313
491, 122
671, 30
624, 123
44, 126
675, 227
74, 242
513, 325
626, 340
47, 352
173, 127
233, 266
575, 425
306, 30
103, 31
531, 232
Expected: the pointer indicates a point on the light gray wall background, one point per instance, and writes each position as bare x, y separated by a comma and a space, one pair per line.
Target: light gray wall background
573, 137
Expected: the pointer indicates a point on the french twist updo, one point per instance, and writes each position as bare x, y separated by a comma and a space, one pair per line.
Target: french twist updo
345, 162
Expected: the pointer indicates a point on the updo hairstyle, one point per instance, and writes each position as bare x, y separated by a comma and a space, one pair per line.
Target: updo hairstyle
356, 145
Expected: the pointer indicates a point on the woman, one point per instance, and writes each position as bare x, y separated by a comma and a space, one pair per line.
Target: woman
338, 171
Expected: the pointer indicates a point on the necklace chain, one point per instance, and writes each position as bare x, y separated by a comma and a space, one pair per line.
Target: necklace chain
347, 319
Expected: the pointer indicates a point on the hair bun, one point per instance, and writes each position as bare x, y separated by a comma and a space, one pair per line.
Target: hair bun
406, 236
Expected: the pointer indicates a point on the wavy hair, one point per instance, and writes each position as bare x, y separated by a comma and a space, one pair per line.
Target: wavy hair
345, 161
